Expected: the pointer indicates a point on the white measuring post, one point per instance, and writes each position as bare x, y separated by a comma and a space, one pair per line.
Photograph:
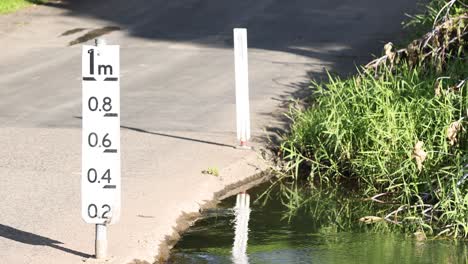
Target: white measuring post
100, 167
242, 86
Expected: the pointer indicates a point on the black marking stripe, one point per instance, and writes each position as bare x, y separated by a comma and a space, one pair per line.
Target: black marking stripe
111, 115
111, 79
109, 187
89, 79
110, 151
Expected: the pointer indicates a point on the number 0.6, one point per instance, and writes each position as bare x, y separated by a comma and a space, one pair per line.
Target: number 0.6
93, 140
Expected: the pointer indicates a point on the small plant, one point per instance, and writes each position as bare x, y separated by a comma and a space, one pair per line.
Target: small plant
211, 171
7, 6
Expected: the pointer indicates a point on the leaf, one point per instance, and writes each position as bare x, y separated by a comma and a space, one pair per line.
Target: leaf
437, 88
371, 219
452, 132
419, 154
389, 52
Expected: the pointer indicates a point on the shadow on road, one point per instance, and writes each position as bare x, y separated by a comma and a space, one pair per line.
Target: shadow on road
36, 240
302, 27
177, 137
304, 37
301, 36
336, 34
171, 136
300, 96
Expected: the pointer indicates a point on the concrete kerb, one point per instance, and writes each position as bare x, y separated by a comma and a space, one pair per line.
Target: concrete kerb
187, 219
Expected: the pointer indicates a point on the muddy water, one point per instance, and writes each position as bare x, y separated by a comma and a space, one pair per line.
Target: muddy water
304, 239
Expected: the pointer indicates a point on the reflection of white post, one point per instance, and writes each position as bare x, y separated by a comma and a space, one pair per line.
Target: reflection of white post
242, 85
242, 213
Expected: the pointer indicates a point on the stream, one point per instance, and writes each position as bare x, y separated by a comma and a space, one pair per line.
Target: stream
222, 236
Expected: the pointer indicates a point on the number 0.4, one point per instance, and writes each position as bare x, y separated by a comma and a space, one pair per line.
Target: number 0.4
93, 175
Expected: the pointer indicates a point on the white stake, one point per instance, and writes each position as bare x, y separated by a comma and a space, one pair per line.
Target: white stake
242, 86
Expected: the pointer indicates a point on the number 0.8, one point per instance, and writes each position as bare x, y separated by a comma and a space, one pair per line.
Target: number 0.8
93, 104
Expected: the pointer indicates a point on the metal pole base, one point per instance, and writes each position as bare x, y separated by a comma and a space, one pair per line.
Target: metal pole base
101, 241
243, 145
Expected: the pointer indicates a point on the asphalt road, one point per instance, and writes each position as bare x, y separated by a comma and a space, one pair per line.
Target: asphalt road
178, 112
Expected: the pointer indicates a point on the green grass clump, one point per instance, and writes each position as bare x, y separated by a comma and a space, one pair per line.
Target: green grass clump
436, 11
394, 135
362, 132
8, 6
211, 171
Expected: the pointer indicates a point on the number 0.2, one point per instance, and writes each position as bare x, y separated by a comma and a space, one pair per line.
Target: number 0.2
93, 211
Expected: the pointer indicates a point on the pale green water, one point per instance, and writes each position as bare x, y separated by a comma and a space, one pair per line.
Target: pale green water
305, 240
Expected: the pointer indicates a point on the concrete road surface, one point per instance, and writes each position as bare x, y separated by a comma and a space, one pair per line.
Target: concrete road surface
178, 112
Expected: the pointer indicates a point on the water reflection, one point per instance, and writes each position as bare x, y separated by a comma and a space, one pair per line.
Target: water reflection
328, 231
241, 229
